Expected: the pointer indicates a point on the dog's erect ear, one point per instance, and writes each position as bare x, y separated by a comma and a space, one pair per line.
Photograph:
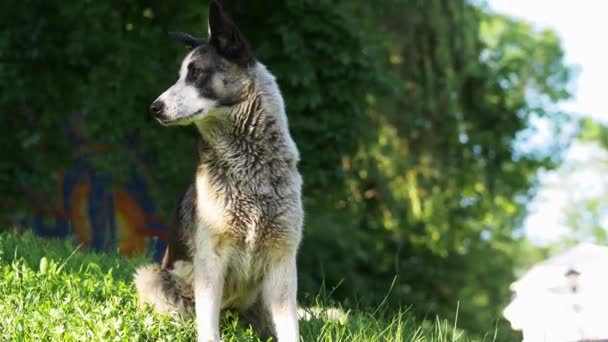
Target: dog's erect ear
226, 37
187, 39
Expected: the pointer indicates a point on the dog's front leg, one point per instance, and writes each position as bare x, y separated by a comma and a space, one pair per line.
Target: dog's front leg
208, 287
279, 294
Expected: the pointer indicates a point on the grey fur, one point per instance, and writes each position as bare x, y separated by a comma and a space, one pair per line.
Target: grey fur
243, 214
165, 289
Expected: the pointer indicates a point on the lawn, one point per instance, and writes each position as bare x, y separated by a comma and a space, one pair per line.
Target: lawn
51, 291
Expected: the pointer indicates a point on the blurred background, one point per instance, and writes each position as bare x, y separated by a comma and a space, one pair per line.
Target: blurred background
447, 145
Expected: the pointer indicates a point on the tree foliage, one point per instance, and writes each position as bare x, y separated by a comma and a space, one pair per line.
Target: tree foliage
582, 181
406, 113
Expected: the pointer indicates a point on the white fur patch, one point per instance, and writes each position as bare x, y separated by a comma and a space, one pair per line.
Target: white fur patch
210, 212
328, 314
183, 104
149, 284
183, 270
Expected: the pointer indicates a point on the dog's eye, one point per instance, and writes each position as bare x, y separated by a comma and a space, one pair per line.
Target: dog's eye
194, 72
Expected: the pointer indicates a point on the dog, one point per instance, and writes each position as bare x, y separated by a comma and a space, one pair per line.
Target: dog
236, 230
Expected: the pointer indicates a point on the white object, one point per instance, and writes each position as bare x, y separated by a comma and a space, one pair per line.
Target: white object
563, 299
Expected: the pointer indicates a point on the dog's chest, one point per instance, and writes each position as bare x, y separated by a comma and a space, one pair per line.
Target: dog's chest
249, 215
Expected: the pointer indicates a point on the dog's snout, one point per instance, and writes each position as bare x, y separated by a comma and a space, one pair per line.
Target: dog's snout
157, 108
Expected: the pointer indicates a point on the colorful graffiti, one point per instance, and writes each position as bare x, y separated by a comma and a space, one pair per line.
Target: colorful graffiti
94, 209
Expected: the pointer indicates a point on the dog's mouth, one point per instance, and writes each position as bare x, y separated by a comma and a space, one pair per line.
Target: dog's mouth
184, 120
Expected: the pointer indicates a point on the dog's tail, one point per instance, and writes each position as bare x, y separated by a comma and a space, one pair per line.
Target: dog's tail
168, 291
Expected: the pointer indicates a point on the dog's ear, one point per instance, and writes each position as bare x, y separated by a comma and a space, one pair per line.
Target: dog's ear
226, 37
187, 39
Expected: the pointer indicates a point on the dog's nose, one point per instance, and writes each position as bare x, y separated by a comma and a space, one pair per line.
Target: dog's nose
157, 108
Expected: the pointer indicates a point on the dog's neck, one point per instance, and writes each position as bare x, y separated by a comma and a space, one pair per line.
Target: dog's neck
254, 129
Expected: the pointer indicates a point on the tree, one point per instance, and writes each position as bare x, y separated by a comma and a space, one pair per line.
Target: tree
582, 183
438, 197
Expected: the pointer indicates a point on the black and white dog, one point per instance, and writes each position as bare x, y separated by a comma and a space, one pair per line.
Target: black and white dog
237, 228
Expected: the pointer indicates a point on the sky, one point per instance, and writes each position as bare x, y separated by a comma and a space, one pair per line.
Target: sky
583, 28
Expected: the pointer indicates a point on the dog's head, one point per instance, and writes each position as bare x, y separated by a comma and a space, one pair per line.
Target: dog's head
215, 74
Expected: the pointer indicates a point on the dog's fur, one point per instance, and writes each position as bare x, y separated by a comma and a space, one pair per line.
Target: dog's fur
236, 230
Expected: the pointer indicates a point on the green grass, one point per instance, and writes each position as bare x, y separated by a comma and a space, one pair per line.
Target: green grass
50, 291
